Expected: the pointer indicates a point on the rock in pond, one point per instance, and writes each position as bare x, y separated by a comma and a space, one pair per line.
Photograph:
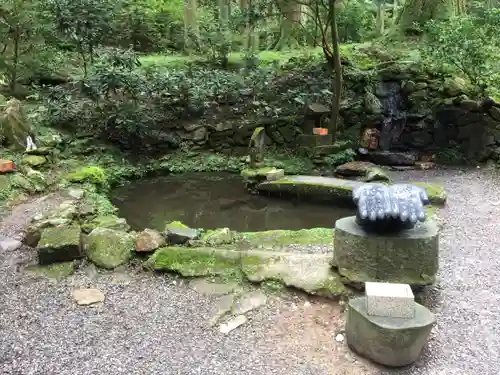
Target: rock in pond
109, 248
409, 257
59, 244
312, 187
331, 189
178, 233
393, 342
149, 240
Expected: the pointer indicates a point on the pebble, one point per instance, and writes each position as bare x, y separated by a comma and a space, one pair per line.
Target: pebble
233, 324
86, 297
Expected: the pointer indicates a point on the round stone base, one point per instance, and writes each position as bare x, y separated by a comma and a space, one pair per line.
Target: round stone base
409, 257
393, 342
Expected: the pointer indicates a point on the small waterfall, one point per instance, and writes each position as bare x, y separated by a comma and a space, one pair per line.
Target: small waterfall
394, 113
30, 145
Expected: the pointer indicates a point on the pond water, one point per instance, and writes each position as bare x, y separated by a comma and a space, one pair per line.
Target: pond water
216, 201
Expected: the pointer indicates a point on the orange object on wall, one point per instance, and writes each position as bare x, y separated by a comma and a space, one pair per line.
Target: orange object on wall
7, 166
320, 131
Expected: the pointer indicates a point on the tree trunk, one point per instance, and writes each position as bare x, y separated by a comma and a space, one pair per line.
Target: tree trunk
422, 11
380, 18
190, 24
337, 77
292, 14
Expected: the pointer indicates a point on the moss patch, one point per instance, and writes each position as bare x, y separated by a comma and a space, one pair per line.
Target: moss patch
198, 261
436, 192
279, 238
93, 174
56, 271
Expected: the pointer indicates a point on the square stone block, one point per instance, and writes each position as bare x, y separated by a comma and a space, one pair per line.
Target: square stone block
390, 300
275, 174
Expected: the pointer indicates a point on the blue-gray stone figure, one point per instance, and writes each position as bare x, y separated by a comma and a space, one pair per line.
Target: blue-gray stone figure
386, 209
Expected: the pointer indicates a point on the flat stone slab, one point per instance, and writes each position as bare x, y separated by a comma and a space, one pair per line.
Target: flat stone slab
393, 342
410, 257
322, 188
333, 189
309, 272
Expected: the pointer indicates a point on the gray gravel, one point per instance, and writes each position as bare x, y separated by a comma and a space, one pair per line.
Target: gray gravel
156, 325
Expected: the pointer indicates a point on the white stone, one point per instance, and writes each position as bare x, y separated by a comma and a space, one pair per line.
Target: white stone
233, 324
390, 300
339, 338
85, 297
275, 174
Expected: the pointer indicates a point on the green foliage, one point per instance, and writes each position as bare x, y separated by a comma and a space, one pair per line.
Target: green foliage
467, 45
340, 158
92, 174
355, 22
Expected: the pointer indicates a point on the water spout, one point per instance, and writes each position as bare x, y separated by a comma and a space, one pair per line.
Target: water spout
30, 145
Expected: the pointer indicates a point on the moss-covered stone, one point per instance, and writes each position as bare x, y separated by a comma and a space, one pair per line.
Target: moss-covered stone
280, 238
178, 233
218, 237
311, 187
410, 257
106, 221
109, 248
437, 193
309, 272
57, 271
93, 174
334, 189
198, 261
59, 244
34, 160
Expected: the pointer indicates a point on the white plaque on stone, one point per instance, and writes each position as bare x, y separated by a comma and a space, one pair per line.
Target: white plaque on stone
390, 300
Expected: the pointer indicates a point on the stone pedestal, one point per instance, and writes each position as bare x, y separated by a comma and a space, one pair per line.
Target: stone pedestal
393, 342
409, 257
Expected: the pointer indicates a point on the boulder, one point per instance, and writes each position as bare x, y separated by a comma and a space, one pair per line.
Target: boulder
106, 221
109, 248
149, 240
409, 257
59, 244
62, 216
218, 237
393, 342
14, 127
178, 233
34, 160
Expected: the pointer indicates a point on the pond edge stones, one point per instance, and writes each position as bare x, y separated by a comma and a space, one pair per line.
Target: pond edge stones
387, 338
408, 257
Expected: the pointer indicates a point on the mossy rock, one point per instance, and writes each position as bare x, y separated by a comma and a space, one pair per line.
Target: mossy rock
34, 161
281, 238
59, 244
311, 273
56, 271
109, 248
218, 237
436, 193
178, 233
92, 174
40, 151
197, 261
107, 221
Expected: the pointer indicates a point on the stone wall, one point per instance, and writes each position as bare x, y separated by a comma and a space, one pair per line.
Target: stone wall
415, 111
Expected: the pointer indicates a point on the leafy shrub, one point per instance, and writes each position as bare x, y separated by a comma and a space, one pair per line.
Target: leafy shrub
467, 45
355, 22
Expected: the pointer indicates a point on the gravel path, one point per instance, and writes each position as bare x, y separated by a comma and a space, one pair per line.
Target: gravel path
158, 325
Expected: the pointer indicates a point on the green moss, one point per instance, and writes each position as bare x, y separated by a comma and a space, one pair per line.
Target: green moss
330, 287
176, 225
106, 221
259, 172
57, 271
34, 160
108, 248
277, 238
93, 174
436, 192
198, 261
